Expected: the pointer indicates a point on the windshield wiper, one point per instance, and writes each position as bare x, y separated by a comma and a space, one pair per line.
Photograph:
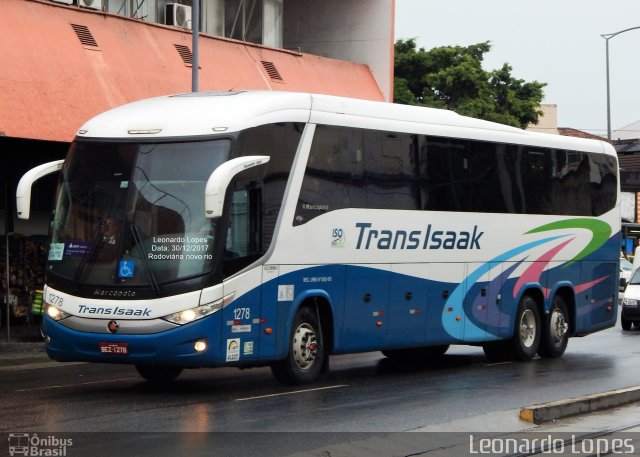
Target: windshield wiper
135, 231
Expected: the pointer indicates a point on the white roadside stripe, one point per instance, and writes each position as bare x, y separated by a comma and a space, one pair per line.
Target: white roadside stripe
292, 393
75, 385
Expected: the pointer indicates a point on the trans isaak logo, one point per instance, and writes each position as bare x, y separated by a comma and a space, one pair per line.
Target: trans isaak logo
430, 238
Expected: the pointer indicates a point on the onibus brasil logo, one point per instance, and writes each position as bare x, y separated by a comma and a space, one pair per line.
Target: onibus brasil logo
30, 444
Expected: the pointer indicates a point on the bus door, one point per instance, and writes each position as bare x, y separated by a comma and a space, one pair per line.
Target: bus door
407, 320
364, 324
241, 318
242, 246
445, 297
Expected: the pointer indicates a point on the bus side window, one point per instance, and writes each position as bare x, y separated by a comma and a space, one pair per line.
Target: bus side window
391, 171
334, 178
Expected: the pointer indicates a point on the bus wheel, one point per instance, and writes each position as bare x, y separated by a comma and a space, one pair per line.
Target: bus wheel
528, 332
158, 373
306, 356
555, 332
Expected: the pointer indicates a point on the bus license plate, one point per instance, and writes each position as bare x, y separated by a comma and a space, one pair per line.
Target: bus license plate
114, 348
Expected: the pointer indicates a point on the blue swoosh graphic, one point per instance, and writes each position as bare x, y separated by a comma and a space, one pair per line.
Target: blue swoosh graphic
449, 323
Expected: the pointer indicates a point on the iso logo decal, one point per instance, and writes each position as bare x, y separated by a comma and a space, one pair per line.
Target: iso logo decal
337, 238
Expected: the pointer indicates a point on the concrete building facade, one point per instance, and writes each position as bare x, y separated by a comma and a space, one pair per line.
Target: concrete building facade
65, 61
68, 60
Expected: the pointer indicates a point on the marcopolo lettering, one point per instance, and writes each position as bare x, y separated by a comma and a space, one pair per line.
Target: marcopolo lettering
117, 311
431, 238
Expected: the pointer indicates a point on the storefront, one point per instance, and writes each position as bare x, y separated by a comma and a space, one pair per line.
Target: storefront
24, 244
630, 238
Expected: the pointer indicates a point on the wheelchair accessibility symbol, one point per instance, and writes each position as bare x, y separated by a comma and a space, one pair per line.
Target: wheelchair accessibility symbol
126, 269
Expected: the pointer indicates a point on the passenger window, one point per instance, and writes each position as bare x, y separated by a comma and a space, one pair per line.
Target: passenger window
391, 165
334, 177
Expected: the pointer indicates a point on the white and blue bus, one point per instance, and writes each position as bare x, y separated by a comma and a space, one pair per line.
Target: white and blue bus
272, 228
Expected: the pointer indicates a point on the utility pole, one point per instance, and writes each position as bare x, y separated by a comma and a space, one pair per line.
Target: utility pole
195, 30
8, 227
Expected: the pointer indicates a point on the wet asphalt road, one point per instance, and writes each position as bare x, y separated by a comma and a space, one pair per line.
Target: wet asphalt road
362, 393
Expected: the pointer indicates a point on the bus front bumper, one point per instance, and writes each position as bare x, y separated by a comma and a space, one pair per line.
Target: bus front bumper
176, 346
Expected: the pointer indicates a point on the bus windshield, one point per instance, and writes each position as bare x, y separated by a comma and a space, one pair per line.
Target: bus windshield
132, 214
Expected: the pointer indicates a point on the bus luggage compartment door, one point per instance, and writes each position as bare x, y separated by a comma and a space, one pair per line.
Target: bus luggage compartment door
408, 305
364, 322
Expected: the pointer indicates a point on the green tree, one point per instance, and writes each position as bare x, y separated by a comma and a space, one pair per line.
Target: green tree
452, 77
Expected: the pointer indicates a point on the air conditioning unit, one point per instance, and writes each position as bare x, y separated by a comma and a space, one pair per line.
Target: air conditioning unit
66, 2
94, 4
177, 15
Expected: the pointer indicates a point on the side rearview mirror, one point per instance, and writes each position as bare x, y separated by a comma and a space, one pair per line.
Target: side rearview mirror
219, 181
23, 191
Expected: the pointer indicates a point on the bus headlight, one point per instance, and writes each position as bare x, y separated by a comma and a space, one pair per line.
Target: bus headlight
54, 312
193, 314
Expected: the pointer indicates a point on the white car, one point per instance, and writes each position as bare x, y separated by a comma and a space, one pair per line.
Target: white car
631, 303
626, 269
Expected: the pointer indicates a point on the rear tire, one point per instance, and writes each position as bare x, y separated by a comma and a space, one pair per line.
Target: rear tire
306, 356
158, 373
526, 338
555, 333
528, 331
625, 323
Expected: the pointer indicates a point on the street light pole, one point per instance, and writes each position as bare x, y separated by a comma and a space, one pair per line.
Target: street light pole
195, 30
607, 37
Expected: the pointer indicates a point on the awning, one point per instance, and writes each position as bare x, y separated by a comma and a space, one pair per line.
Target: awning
63, 65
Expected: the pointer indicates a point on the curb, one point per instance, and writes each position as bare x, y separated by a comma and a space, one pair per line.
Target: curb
547, 412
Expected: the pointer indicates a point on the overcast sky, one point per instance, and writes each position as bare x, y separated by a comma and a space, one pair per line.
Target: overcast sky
553, 41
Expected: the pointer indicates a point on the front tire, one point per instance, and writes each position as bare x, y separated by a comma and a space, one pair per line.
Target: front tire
158, 374
306, 356
555, 334
625, 323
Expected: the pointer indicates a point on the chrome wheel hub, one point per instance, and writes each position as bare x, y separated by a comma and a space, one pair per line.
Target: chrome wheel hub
527, 328
305, 346
558, 326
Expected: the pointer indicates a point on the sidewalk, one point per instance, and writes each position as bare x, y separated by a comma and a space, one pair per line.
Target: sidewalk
463, 437
18, 334
25, 347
